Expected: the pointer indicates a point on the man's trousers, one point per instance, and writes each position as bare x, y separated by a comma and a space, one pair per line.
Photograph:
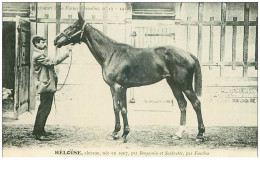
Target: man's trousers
43, 112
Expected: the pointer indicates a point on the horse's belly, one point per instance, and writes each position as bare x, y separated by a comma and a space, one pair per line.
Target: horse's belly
142, 82
141, 78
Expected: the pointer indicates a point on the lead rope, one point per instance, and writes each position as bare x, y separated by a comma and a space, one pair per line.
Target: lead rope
63, 82
81, 34
67, 73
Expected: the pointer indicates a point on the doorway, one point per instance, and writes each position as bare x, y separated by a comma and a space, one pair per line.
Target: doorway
8, 63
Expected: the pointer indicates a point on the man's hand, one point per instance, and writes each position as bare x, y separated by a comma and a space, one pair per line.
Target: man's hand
69, 48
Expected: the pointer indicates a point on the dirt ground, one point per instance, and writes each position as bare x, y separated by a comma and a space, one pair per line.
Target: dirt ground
81, 120
140, 136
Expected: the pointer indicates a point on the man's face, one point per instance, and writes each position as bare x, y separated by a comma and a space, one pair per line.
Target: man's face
41, 45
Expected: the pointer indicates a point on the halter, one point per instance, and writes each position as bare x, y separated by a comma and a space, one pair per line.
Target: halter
69, 38
81, 32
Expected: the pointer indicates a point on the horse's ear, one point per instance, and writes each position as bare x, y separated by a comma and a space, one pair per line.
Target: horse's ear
80, 18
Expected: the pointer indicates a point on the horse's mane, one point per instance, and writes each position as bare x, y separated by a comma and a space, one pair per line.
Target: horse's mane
108, 38
123, 44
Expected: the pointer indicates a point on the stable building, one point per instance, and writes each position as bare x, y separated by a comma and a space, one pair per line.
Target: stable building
224, 37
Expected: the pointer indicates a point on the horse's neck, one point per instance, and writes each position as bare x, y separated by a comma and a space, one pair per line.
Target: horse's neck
100, 45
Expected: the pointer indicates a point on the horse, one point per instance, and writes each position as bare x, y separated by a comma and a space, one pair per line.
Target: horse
124, 66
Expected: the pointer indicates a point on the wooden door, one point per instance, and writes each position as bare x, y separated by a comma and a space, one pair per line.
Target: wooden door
147, 34
22, 67
154, 33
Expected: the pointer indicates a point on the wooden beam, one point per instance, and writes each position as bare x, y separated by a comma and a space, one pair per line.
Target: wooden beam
36, 17
245, 43
193, 23
58, 18
216, 23
234, 43
46, 31
188, 35
105, 13
232, 79
70, 19
82, 9
211, 42
32, 89
223, 34
17, 69
228, 63
256, 45
90, 21
200, 28
241, 23
33, 31
33, 11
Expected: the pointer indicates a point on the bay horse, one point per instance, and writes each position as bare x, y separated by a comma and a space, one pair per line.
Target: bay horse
124, 66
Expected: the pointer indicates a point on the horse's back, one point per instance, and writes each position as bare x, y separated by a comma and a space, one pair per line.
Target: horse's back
150, 57
176, 56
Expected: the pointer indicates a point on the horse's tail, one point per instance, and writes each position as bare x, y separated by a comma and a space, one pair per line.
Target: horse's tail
198, 76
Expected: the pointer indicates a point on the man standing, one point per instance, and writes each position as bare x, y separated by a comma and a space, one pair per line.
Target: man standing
46, 84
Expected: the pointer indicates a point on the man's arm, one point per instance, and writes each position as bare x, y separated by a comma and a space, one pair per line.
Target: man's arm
60, 59
44, 60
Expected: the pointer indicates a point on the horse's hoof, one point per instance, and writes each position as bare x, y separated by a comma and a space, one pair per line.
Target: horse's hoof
200, 139
124, 139
115, 136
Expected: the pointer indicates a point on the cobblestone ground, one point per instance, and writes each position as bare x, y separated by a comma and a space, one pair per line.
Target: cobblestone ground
20, 136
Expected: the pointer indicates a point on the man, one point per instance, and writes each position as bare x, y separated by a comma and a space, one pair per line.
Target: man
46, 84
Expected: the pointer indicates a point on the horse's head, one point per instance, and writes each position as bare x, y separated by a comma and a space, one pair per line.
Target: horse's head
71, 34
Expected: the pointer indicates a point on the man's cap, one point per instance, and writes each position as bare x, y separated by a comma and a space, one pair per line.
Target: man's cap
37, 38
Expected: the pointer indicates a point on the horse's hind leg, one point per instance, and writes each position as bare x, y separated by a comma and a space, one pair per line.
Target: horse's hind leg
123, 104
115, 96
177, 92
190, 94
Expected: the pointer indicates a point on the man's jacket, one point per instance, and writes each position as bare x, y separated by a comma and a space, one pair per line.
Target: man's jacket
46, 77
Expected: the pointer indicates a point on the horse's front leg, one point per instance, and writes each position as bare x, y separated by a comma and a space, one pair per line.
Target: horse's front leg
123, 104
116, 106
